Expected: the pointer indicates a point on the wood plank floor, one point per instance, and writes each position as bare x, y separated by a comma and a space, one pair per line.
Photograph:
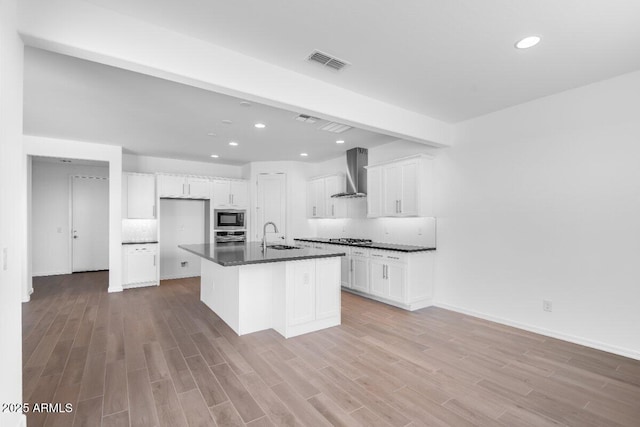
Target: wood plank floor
158, 356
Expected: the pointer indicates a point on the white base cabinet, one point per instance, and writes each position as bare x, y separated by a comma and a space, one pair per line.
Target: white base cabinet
402, 279
140, 265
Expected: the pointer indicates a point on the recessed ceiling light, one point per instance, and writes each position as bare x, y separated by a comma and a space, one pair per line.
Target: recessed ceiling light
227, 121
245, 104
304, 154
339, 141
260, 125
215, 156
211, 134
233, 143
528, 42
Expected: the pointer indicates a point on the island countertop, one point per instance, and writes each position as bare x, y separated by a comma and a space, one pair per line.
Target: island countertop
251, 253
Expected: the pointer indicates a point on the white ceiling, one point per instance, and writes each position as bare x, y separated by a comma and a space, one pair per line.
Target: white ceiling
71, 98
451, 60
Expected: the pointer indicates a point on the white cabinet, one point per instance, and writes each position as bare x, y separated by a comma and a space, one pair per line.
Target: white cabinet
320, 204
316, 198
401, 188
138, 196
335, 207
140, 265
374, 192
387, 275
183, 187
230, 193
359, 270
312, 295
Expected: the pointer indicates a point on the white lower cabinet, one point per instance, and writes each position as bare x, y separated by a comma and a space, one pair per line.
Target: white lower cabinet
387, 277
312, 295
360, 270
140, 265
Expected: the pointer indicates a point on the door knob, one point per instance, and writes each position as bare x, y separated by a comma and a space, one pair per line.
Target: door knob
75, 236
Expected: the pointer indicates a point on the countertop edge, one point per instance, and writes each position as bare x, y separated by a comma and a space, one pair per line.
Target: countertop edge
152, 242
374, 245
263, 261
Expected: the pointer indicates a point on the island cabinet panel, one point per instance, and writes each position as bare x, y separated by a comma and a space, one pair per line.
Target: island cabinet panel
312, 294
327, 293
301, 292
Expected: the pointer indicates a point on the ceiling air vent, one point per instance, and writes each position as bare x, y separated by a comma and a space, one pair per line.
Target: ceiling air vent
306, 119
335, 127
327, 60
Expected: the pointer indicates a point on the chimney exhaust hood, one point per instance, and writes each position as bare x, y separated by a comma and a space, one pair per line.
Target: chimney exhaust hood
357, 159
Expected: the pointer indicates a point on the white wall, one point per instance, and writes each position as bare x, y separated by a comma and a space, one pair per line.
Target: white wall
542, 202
147, 164
181, 223
50, 214
12, 218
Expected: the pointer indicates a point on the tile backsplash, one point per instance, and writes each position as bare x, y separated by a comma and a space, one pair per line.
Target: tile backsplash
139, 230
409, 231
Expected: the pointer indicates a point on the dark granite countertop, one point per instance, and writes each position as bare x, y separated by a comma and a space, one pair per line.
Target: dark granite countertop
140, 243
372, 245
251, 253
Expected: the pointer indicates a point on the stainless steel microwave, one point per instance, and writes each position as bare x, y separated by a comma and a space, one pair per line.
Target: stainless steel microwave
229, 219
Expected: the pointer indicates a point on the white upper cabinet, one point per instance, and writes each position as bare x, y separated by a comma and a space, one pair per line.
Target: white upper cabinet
230, 193
401, 188
316, 203
138, 196
320, 204
335, 207
183, 187
374, 192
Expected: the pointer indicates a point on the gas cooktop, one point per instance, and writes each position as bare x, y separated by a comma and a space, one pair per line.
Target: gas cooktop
352, 241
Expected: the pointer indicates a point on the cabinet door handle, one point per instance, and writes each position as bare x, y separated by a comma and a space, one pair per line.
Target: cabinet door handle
384, 271
396, 206
154, 260
351, 265
333, 211
184, 188
400, 206
189, 188
232, 199
314, 211
154, 211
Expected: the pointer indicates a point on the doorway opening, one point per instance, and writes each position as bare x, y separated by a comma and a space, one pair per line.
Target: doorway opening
68, 216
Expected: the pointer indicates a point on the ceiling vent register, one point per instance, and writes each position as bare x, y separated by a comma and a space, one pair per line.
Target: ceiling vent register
327, 60
335, 127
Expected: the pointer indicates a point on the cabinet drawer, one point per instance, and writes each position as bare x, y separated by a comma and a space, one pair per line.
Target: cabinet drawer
391, 256
360, 252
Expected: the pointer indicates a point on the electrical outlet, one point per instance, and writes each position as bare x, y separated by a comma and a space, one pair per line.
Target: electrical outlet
184, 263
547, 306
59, 229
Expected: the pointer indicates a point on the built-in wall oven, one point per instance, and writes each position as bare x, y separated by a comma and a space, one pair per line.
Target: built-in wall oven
230, 237
229, 219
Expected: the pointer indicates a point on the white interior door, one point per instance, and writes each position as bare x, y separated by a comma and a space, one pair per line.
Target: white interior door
272, 205
90, 223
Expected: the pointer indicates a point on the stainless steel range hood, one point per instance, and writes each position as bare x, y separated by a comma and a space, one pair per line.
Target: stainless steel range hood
357, 159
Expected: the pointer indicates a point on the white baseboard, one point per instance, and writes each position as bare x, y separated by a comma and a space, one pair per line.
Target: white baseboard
621, 351
50, 273
179, 276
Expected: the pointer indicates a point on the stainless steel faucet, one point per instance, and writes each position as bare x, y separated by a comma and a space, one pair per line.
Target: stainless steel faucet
264, 234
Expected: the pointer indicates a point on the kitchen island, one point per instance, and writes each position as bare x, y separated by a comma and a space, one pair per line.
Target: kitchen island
294, 291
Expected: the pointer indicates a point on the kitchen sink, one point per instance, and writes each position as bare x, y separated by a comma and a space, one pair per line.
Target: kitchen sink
282, 247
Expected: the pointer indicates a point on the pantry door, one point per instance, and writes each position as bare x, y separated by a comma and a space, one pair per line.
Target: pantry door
272, 203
